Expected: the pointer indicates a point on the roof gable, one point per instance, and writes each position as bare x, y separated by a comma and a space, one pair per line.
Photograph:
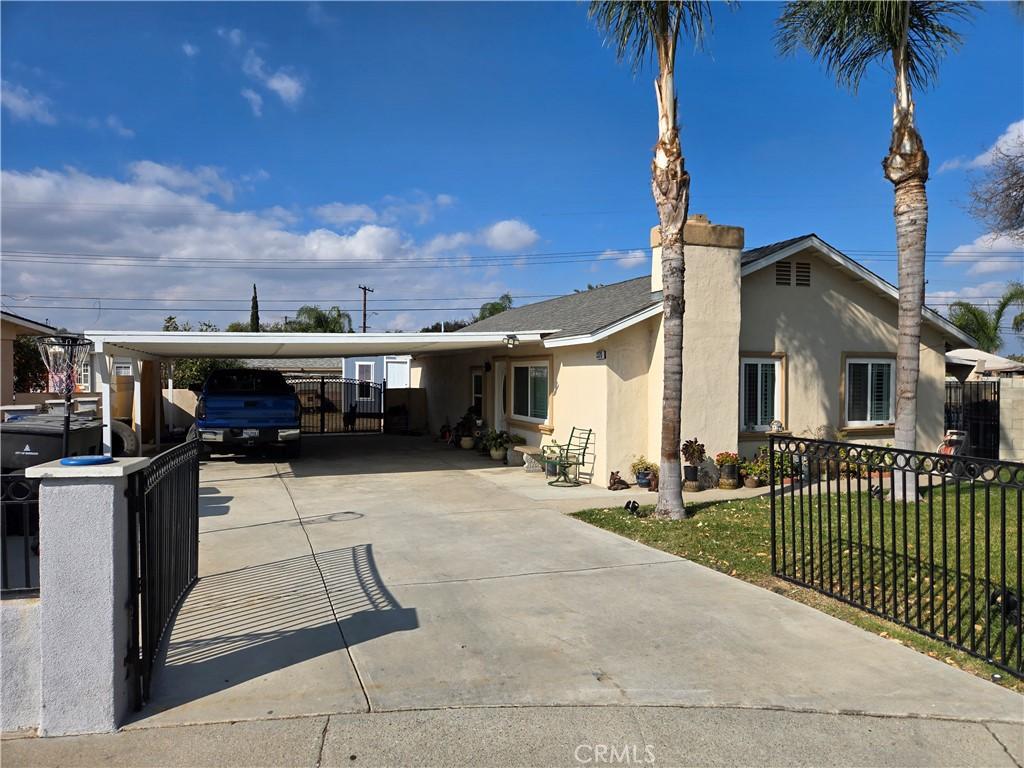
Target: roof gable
765, 256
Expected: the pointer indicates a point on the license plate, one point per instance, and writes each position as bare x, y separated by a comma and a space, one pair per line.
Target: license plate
250, 433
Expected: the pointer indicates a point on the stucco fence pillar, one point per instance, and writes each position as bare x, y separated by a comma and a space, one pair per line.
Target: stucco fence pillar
84, 627
1011, 418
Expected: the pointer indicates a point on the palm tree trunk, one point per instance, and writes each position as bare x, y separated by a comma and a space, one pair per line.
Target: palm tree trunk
906, 166
670, 184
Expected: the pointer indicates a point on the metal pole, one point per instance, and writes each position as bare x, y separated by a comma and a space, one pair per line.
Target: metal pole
66, 450
365, 290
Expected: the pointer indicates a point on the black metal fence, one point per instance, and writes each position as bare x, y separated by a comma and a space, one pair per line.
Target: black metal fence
926, 540
333, 404
973, 407
19, 534
164, 535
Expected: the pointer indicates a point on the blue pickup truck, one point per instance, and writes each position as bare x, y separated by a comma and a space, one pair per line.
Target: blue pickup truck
242, 409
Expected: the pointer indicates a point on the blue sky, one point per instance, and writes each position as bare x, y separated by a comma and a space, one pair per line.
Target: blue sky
460, 136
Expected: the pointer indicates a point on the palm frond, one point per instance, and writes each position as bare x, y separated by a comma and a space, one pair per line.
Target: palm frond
976, 322
632, 28
1013, 296
848, 36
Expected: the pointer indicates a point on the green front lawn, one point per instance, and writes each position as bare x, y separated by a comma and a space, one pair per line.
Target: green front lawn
734, 537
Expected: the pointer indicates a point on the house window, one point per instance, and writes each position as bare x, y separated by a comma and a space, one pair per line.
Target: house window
759, 393
869, 391
530, 391
83, 380
478, 394
364, 373
122, 368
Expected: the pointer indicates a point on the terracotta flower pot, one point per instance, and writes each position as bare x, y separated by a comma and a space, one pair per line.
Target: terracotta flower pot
498, 454
466, 443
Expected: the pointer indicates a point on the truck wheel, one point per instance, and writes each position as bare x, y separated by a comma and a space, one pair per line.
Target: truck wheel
124, 442
193, 434
293, 450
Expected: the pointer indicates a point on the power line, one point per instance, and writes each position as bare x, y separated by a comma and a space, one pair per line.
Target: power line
25, 297
236, 309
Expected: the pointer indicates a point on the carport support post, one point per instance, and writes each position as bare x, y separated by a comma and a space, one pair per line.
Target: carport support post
137, 401
107, 406
85, 590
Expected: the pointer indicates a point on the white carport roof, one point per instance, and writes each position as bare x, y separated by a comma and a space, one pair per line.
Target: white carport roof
173, 344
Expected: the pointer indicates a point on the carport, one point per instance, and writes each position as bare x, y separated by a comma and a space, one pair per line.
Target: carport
166, 346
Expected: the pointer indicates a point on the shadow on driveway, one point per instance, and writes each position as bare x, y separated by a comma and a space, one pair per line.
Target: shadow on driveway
250, 623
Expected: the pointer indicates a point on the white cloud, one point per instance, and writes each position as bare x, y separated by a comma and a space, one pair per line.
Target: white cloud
21, 104
166, 214
203, 180
189, 50
341, 214
233, 36
114, 123
419, 206
627, 260
1012, 138
255, 101
510, 235
980, 293
286, 85
988, 255
318, 17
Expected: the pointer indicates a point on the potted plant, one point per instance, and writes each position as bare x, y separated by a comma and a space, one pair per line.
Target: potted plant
752, 472
465, 429
515, 457
643, 470
498, 443
551, 453
728, 466
695, 454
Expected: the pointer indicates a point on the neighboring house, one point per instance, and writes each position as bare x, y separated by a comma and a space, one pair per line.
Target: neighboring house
392, 368
795, 332
12, 326
970, 363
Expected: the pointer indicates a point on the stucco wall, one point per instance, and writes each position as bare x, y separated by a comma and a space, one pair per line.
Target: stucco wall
1011, 419
631, 430
815, 328
19, 663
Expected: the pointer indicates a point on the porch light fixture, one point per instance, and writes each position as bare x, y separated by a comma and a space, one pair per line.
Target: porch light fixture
511, 341
63, 357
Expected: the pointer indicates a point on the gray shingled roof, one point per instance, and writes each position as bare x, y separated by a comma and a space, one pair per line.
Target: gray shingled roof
577, 313
754, 254
591, 311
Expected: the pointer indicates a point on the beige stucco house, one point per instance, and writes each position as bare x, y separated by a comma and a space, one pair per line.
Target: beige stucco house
794, 332
11, 327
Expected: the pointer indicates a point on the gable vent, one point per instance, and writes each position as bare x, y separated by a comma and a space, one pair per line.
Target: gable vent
803, 273
783, 273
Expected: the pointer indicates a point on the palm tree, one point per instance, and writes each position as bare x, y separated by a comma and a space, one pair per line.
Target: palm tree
985, 326
637, 30
913, 35
313, 319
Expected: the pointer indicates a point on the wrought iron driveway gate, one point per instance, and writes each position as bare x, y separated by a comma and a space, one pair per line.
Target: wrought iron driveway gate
333, 404
163, 531
973, 407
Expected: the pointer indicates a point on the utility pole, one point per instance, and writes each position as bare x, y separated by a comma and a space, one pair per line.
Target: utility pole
365, 291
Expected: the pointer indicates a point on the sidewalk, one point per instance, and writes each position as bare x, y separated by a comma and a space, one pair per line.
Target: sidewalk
544, 736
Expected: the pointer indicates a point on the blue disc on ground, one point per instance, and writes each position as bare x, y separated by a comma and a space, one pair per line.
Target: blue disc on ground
86, 461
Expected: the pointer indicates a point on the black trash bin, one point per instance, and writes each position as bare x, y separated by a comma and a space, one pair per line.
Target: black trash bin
38, 439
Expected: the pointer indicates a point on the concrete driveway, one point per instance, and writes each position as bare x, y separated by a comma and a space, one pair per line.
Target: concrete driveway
387, 574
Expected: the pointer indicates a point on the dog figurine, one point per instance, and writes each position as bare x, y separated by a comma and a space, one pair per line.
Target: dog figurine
632, 506
616, 483
653, 487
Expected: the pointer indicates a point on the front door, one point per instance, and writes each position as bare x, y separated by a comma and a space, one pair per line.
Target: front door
500, 394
